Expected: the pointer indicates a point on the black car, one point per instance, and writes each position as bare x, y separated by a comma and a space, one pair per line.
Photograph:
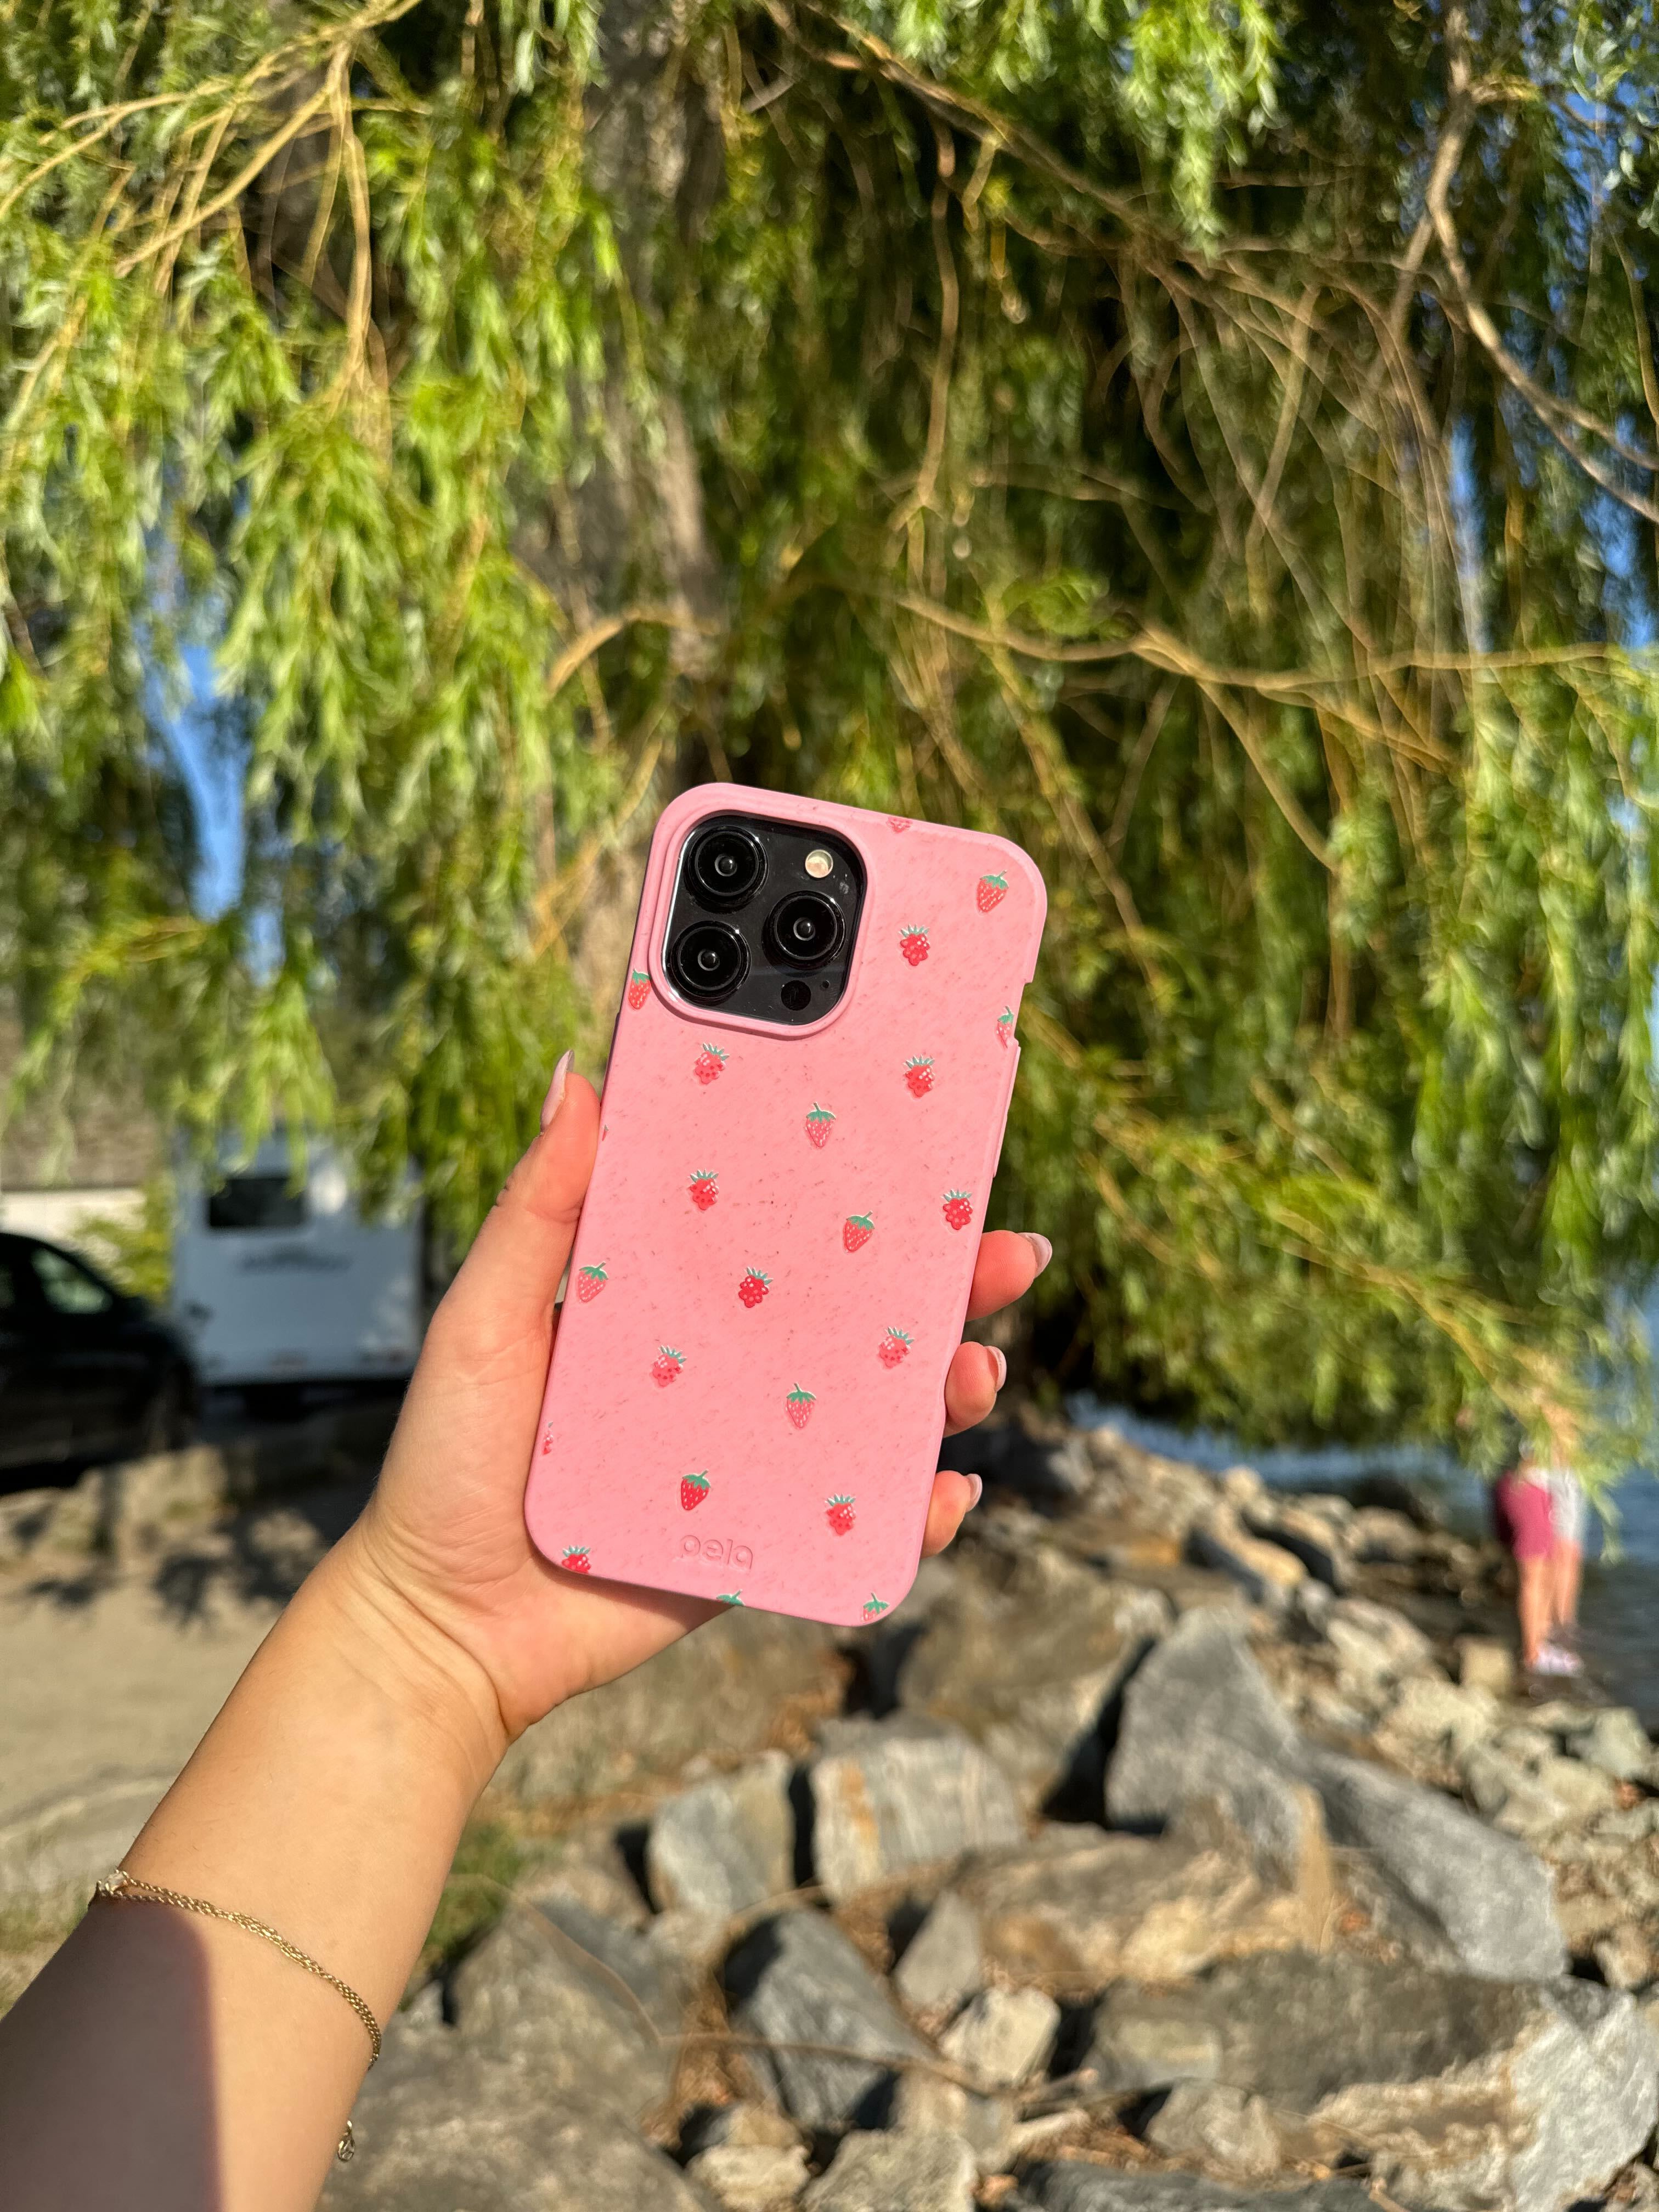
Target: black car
85, 1372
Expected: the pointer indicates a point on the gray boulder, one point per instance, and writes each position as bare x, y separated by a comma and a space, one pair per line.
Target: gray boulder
1028, 1667
1461, 2091
726, 1846
1003, 2037
797, 1982
1074, 2187
1266, 1573
943, 1961
1616, 1742
1199, 1717
908, 2173
925, 2103
1216, 2126
534, 1996
888, 1796
750, 2177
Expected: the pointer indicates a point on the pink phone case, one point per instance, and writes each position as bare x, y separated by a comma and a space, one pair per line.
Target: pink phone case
772, 1268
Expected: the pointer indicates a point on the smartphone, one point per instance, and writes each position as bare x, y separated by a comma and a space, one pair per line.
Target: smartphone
804, 1104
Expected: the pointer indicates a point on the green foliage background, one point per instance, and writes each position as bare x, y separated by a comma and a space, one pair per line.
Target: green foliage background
1214, 445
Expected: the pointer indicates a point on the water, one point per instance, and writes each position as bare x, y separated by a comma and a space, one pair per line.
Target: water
1620, 1612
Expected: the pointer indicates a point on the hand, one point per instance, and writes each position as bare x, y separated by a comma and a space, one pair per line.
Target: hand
445, 1531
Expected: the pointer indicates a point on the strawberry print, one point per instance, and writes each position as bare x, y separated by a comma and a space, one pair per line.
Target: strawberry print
694, 1488
666, 1366
893, 1348
820, 1123
703, 1193
857, 1231
590, 1281
708, 1063
913, 944
838, 1512
575, 1560
958, 1208
730, 1598
991, 892
899, 824
547, 1440
639, 986
754, 1286
1006, 1028
798, 1406
919, 1074
874, 1607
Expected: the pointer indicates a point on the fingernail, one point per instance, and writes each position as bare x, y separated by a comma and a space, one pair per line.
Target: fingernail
979, 1491
555, 1089
1002, 1364
1041, 1246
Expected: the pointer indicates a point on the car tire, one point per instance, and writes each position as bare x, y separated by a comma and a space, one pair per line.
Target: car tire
167, 1424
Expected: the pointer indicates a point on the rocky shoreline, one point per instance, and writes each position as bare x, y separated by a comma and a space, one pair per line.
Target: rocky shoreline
1175, 1844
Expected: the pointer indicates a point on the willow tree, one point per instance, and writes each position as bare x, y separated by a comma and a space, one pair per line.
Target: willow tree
1216, 446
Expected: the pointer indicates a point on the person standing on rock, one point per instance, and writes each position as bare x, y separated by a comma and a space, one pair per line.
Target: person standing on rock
1523, 1510
200, 2039
1569, 1513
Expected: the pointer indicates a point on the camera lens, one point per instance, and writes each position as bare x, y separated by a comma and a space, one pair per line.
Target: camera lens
709, 960
804, 930
724, 866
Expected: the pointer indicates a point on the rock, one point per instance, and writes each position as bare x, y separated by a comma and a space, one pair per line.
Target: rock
590, 1871
1377, 1536
1011, 1457
1199, 1713
750, 2177
1217, 2127
1616, 1742
943, 1962
1268, 1575
1438, 1718
1003, 2037
1584, 1790
1460, 2092
1076, 1909
891, 1795
51, 1853
1508, 1796
747, 2124
726, 1846
1631, 1825
1374, 1644
529, 1995
1625, 1957
647, 1969
1311, 1537
925, 2103
457, 2128
715, 1695
897, 2173
1027, 1669
1067, 2187
1484, 1663
799, 1980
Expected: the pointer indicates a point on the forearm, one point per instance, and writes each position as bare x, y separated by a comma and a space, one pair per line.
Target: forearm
166, 2060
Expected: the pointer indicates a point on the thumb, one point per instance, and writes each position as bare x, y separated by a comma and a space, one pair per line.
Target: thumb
506, 1284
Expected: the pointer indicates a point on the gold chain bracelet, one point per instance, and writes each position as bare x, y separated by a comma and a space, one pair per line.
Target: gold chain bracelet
122, 1884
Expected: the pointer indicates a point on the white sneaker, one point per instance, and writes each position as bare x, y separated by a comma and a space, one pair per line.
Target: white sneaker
1553, 1660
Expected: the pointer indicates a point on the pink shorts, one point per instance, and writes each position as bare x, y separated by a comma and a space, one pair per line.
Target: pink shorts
1526, 1527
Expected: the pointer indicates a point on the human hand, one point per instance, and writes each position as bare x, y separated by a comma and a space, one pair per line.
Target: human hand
444, 1533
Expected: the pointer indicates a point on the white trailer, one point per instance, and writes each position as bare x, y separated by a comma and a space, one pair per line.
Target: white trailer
275, 1283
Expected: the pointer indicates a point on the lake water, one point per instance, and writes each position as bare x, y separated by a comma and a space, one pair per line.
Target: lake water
1620, 1612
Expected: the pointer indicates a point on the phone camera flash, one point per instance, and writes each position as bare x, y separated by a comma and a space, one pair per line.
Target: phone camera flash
818, 862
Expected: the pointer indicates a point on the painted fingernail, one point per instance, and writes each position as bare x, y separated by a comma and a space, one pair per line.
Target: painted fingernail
1041, 1246
1002, 1364
979, 1491
555, 1089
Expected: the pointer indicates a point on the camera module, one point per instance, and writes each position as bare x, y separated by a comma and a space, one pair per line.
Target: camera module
708, 961
805, 930
724, 866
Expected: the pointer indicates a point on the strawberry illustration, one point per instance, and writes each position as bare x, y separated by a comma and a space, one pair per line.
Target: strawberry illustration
730, 1598
893, 1348
899, 824
703, 1193
666, 1366
708, 1063
857, 1231
838, 1512
590, 1281
754, 1286
991, 892
798, 1406
913, 944
958, 1208
575, 1560
694, 1488
1006, 1028
874, 1607
639, 986
820, 1123
919, 1074
547, 1440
